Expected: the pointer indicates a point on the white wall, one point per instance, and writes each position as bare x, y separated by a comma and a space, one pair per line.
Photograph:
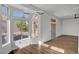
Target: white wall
58, 27
45, 30
71, 27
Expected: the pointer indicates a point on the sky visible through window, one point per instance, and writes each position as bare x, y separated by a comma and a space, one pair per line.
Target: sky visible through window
4, 10
16, 12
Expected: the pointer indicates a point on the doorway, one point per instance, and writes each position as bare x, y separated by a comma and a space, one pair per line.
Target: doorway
53, 28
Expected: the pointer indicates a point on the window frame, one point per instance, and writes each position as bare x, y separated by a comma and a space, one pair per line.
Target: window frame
20, 18
8, 41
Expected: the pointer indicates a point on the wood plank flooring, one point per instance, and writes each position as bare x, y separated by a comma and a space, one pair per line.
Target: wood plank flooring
61, 45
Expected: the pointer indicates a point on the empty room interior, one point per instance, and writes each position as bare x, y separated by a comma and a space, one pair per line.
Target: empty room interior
39, 28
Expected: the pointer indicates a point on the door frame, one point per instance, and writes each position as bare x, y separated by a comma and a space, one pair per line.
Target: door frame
53, 22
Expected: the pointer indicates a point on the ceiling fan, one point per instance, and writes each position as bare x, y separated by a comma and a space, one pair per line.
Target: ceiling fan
76, 16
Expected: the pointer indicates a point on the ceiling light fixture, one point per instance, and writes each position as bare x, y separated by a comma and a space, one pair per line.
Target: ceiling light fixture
76, 16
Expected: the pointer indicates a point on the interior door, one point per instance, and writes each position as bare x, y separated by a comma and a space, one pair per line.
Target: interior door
53, 29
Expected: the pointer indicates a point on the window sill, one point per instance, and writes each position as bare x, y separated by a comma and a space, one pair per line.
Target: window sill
5, 44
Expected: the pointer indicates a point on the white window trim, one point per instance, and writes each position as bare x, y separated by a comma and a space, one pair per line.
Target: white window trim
8, 28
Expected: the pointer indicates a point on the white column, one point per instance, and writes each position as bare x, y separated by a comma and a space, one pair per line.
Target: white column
30, 30
39, 30
10, 28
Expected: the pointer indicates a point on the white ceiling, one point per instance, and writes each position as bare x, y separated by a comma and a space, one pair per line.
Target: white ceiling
59, 10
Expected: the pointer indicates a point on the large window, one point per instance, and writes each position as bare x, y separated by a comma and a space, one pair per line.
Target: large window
21, 29
4, 31
4, 10
20, 24
4, 26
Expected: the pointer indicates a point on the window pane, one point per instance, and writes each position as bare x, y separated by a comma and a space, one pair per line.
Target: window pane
27, 16
4, 29
17, 13
4, 10
21, 29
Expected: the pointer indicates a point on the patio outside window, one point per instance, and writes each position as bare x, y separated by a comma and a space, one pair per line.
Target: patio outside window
20, 25
20, 30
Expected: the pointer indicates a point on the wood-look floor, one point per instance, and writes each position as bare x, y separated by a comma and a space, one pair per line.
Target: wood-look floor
62, 44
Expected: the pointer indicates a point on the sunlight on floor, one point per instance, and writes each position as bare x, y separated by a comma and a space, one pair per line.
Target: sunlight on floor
45, 45
54, 48
57, 49
39, 43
